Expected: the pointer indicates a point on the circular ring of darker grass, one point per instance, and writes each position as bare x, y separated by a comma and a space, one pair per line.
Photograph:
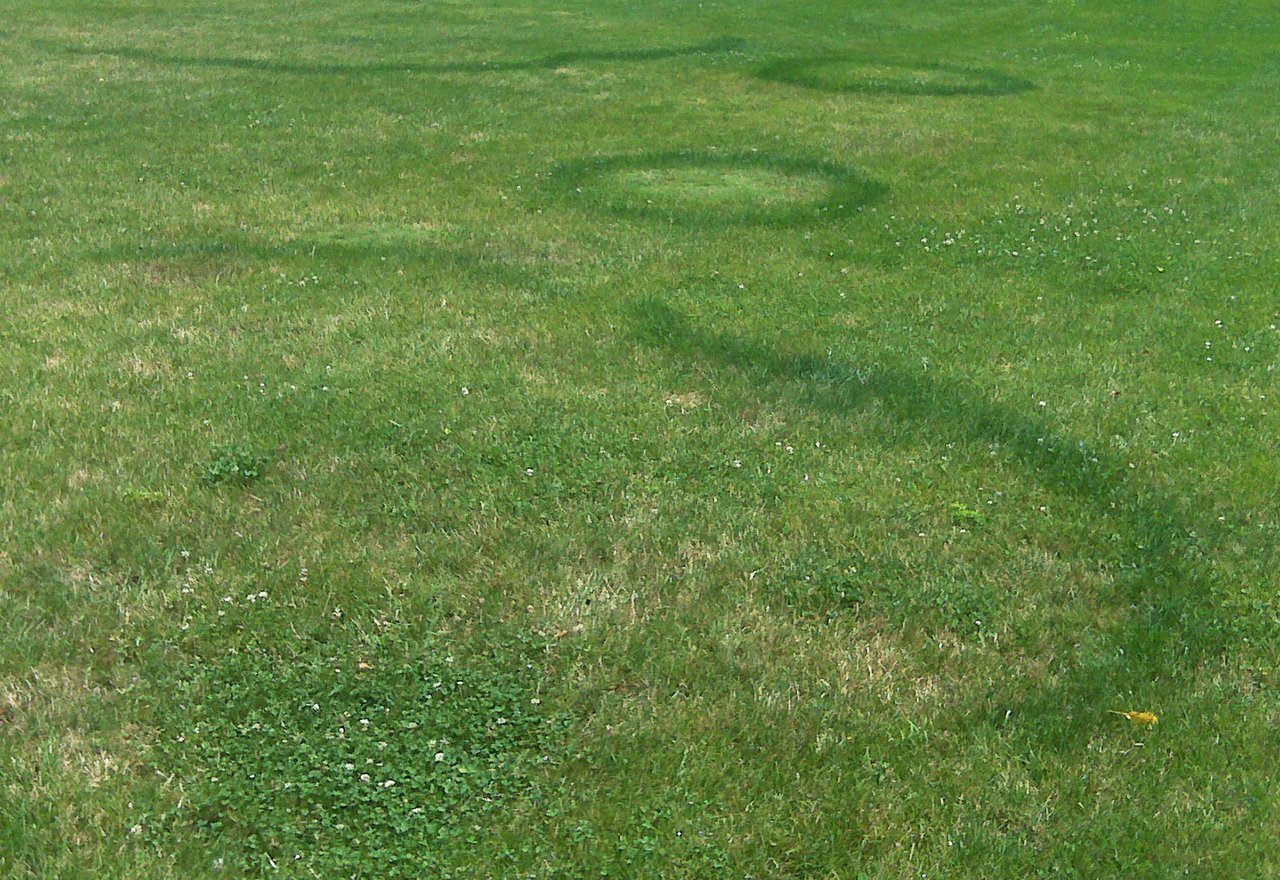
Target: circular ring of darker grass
865, 76
716, 188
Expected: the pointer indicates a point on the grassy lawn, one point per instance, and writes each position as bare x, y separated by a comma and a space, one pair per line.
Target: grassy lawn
639, 440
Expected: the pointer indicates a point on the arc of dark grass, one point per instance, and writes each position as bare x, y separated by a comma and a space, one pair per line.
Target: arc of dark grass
1169, 615
382, 68
430, 256
970, 81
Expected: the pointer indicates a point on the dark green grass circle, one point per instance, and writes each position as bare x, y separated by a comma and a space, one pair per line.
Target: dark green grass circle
714, 188
840, 74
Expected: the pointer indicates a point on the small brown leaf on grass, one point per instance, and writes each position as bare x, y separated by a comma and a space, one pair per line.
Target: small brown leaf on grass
364, 665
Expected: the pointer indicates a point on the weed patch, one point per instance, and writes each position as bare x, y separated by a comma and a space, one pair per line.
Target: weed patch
235, 464
347, 768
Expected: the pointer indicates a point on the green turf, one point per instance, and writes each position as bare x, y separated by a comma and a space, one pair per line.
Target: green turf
662, 440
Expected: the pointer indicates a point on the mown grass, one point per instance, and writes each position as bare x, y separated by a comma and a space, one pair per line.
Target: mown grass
797, 429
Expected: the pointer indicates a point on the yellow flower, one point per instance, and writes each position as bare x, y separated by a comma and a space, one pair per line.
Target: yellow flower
1141, 719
